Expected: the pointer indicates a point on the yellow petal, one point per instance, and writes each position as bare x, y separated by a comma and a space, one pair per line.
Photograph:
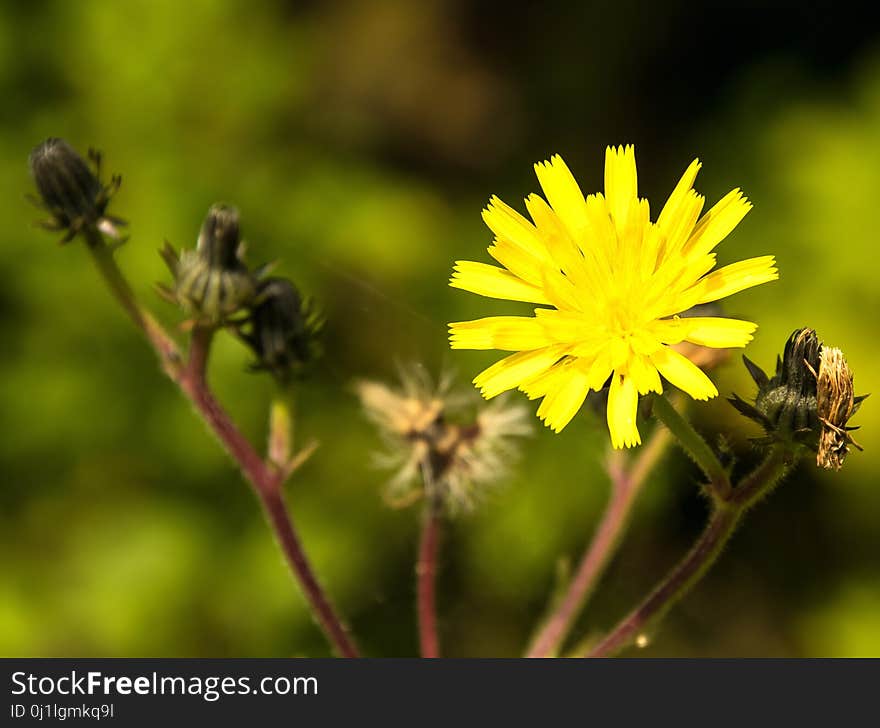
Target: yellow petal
623, 403
507, 223
546, 219
736, 277
487, 280
601, 247
563, 402
684, 374
621, 182
672, 209
673, 289
506, 333
678, 229
563, 194
561, 292
721, 333
563, 252
600, 369
717, 224
517, 260
515, 369
644, 375
544, 382
629, 245
570, 327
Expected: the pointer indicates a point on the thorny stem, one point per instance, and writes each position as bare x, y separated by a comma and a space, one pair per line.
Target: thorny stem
694, 445
626, 484
426, 577
265, 478
726, 514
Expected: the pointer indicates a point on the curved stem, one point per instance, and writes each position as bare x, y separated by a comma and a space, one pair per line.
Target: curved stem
265, 478
673, 587
267, 482
426, 577
285, 532
725, 516
164, 345
694, 445
194, 385
626, 484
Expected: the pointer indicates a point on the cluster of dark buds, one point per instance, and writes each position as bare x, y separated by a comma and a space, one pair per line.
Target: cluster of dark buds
808, 401
216, 289
214, 285
72, 192
441, 453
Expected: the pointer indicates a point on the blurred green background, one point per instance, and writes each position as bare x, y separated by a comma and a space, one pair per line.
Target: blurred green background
360, 141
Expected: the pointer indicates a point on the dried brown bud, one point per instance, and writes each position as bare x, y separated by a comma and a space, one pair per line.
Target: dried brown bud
808, 401
835, 405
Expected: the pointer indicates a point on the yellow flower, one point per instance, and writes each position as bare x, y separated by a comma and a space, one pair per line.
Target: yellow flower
614, 284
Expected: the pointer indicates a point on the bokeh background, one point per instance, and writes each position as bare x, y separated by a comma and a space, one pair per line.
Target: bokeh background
360, 141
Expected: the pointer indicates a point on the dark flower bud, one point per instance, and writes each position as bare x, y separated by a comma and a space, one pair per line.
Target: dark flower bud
808, 401
72, 191
282, 329
219, 239
212, 282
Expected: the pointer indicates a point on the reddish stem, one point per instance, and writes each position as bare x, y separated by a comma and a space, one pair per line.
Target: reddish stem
267, 482
285, 532
625, 486
266, 478
193, 382
426, 576
680, 579
726, 514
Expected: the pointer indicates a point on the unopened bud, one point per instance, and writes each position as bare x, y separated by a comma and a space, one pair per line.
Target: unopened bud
282, 329
212, 282
808, 401
72, 191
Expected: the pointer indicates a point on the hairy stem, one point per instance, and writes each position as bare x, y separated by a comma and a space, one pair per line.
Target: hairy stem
164, 345
267, 483
285, 532
726, 514
193, 383
694, 445
426, 579
626, 483
264, 477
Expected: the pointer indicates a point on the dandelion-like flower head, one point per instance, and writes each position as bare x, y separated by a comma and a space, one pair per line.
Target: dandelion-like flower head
612, 284
453, 459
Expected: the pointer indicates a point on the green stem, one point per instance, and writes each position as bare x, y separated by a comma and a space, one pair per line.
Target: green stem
726, 514
694, 445
280, 434
167, 350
